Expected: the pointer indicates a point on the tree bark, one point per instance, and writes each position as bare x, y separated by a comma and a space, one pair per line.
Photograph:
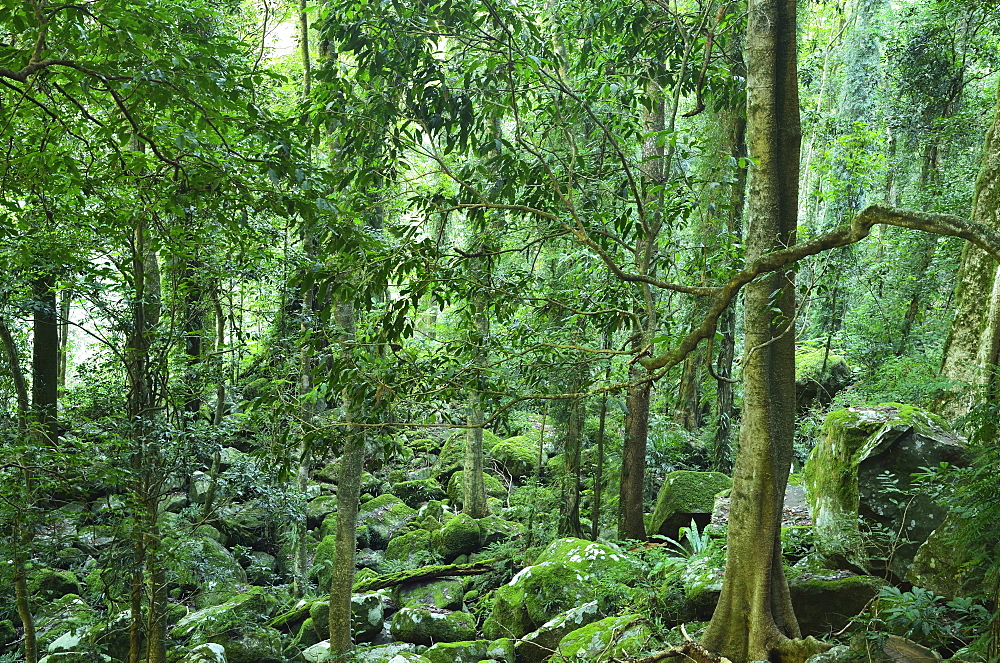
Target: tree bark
45, 355
473, 480
569, 523
973, 344
352, 464
631, 524
754, 615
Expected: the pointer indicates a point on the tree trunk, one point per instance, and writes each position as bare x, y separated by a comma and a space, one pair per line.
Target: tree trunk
569, 523
754, 615
630, 519
473, 480
45, 355
973, 345
65, 305
352, 464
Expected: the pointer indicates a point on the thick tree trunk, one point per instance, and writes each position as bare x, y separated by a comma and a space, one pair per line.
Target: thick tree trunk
973, 345
352, 464
754, 615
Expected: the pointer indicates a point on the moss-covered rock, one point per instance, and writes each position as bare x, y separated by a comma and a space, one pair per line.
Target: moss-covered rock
452, 455
538, 645
384, 516
456, 486
411, 549
209, 652
685, 496
535, 595
425, 626
204, 565
460, 535
517, 455
612, 637
470, 651
45, 583
238, 626
319, 508
322, 566
367, 614
414, 493
494, 529
825, 604
819, 376
946, 568
861, 467
443, 594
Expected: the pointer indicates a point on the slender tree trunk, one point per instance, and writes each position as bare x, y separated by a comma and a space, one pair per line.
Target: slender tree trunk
45, 356
352, 463
65, 304
631, 524
754, 615
569, 523
473, 480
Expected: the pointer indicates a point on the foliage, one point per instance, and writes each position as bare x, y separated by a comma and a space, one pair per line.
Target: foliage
924, 617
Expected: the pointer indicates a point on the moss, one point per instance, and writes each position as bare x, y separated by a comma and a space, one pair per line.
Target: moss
613, 637
443, 594
518, 455
460, 535
53, 583
452, 455
322, 567
414, 493
425, 627
588, 556
411, 548
683, 494
535, 595
456, 486
385, 516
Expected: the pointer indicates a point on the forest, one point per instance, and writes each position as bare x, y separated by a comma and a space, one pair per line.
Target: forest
453, 331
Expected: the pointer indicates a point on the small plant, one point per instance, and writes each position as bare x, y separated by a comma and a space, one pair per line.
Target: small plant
691, 543
923, 616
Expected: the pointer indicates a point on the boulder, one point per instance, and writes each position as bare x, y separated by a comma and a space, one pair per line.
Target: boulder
860, 469
517, 455
587, 556
456, 486
322, 565
416, 492
470, 651
538, 645
443, 594
451, 457
384, 517
367, 615
460, 535
425, 626
535, 595
199, 487
819, 376
209, 652
50, 584
627, 636
411, 549
204, 565
494, 529
319, 508
685, 496
826, 603
945, 567
237, 625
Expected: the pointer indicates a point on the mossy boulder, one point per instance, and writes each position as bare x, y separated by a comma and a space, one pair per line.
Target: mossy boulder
470, 651
425, 626
384, 516
238, 626
686, 495
588, 556
410, 548
627, 636
947, 568
494, 529
826, 603
319, 508
322, 566
819, 376
367, 614
460, 535
861, 468
204, 565
452, 455
443, 594
456, 486
416, 492
517, 455
50, 584
535, 595
209, 652
538, 645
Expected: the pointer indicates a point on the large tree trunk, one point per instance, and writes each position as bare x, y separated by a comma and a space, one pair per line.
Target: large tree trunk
630, 519
352, 464
973, 345
45, 355
754, 615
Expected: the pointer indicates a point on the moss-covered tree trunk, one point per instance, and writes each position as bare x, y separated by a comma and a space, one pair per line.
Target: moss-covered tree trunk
754, 615
973, 345
45, 355
473, 479
569, 522
352, 464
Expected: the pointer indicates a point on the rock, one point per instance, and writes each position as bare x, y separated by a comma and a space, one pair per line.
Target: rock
612, 637
538, 645
205, 565
494, 529
816, 384
861, 466
50, 584
210, 652
94, 538
246, 526
685, 496
173, 503
318, 509
384, 653
262, 567
838, 654
322, 565
367, 615
588, 556
384, 516
456, 486
535, 595
459, 535
452, 455
946, 568
470, 651
517, 455
412, 549
416, 492
199, 487
236, 625
443, 594
825, 604
425, 626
